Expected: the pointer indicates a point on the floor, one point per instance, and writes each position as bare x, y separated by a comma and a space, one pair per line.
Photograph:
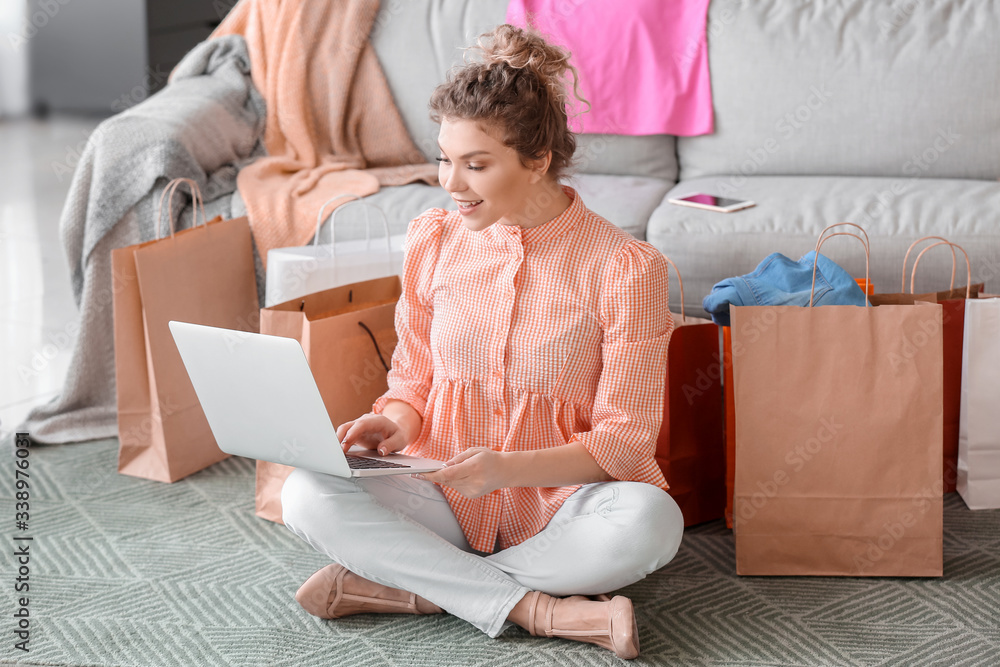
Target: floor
38, 314
140, 573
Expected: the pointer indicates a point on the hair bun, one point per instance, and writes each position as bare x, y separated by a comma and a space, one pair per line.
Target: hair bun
527, 49
519, 86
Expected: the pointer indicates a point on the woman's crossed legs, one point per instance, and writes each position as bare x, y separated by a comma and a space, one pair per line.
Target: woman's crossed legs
400, 532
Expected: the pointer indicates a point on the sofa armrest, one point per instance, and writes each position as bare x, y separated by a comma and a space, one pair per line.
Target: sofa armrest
210, 109
205, 125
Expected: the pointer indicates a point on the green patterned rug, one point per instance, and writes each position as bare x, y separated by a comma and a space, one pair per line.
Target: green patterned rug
125, 571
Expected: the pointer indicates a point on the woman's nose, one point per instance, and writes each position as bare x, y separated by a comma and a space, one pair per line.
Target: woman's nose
452, 181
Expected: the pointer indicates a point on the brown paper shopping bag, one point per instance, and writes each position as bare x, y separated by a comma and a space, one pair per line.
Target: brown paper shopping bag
729, 401
348, 335
690, 448
203, 275
952, 303
967, 291
838, 440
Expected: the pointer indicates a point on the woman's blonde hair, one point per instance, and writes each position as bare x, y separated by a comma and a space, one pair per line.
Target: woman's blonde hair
519, 88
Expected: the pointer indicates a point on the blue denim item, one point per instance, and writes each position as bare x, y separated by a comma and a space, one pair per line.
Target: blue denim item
779, 281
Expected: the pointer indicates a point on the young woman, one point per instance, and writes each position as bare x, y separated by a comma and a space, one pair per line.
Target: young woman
532, 347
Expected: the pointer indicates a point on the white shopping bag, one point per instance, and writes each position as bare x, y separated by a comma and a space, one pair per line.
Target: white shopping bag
979, 419
296, 272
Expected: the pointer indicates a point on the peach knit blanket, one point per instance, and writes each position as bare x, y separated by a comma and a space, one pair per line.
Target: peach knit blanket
332, 125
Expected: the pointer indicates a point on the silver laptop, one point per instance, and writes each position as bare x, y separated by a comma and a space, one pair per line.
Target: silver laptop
262, 402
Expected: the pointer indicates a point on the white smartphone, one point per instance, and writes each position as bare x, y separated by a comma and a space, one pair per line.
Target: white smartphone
713, 203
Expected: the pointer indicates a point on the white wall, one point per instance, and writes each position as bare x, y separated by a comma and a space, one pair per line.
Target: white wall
13, 58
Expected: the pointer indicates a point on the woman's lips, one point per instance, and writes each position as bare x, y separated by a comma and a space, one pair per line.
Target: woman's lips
468, 206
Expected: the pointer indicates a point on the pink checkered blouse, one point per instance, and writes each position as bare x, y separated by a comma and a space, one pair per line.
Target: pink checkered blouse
519, 339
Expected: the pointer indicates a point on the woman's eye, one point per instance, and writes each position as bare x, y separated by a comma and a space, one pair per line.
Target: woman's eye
444, 160
476, 168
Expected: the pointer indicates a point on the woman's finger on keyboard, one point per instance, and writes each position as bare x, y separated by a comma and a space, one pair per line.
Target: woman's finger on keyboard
368, 431
392, 443
342, 430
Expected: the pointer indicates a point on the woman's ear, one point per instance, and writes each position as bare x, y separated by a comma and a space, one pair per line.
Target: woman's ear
540, 167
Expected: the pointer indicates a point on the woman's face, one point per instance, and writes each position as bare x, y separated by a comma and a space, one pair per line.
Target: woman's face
485, 178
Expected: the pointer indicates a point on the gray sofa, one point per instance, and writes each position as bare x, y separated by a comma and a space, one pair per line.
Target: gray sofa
883, 114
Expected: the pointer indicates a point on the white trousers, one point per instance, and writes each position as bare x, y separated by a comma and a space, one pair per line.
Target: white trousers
400, 532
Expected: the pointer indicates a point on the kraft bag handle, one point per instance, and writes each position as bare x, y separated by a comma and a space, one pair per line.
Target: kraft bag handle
680, 282
865, 241
378, 350
196, 201
968, 267
333, 220
169, 192
322, 210
954, 262
819, 244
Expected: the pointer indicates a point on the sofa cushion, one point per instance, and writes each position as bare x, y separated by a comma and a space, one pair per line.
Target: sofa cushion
653, 156
791, 211
401, 204
625, 201
852, 87
418, 41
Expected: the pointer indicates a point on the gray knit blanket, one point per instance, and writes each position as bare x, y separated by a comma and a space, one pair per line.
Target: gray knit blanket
204, 125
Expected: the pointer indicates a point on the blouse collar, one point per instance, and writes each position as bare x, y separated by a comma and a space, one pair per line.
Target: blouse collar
547, 231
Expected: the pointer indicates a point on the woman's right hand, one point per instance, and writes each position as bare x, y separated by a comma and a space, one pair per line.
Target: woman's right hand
372, 431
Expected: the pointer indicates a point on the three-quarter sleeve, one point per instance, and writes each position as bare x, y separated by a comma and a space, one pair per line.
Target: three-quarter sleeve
628, 407
412, 370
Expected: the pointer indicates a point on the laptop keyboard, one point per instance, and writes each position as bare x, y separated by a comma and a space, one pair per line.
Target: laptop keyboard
361, 462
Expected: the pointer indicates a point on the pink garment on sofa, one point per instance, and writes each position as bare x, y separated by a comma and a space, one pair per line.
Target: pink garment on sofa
643, 64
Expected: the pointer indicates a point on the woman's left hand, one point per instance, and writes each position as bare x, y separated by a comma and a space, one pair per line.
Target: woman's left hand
473, 473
